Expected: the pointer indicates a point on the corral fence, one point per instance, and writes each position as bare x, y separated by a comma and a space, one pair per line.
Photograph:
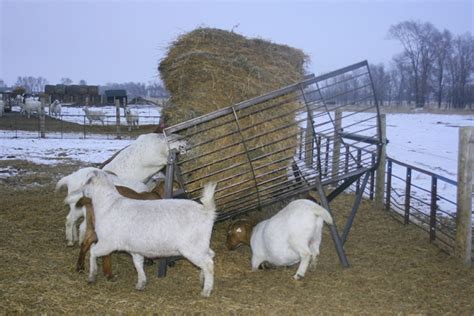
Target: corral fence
440, 206
421, 197
73, 126
412, 196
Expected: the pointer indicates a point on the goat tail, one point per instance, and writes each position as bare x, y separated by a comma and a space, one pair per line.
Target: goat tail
207, 198
64, 181
323, 213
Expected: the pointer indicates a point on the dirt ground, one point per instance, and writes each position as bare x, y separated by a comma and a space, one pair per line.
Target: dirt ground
394, 269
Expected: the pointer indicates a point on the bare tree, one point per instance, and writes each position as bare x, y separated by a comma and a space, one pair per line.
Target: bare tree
31, 84
381, 80
443, 42
461, 67
417, 40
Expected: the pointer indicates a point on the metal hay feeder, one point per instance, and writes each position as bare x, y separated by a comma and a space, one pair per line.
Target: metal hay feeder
322, 134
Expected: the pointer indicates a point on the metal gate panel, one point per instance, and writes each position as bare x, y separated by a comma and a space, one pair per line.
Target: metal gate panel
320, 131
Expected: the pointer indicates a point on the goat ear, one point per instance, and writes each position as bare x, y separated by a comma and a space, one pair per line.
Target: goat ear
90, 176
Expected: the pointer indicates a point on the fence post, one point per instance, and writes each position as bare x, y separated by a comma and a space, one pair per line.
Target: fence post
337, 145
463, 247
380, 174
389, 186
42, 120
407, 196
433, 207
117, 117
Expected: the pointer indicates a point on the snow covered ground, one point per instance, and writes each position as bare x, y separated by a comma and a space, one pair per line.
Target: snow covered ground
428, 141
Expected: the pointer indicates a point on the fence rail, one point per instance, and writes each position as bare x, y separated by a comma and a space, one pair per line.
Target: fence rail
421, 203
73, 126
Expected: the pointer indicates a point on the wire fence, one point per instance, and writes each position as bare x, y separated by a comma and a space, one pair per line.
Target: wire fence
73, 126
420, 197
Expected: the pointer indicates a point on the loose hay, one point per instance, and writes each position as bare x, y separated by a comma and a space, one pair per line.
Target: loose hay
394, 268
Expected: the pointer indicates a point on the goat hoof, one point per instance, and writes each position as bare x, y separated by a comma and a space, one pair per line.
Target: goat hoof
206, 293
298, 277
111, 278
70, 244
91, 279
140, 286
79, 269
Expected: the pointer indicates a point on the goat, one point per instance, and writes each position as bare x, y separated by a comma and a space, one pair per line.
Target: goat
147, 155
55, 108
90, 236
94, 115
30, 106
158, 228
77, 180
88, 226
292, 235
132, 119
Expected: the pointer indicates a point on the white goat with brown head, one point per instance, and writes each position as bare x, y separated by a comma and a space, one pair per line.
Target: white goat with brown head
292, 235
151, 228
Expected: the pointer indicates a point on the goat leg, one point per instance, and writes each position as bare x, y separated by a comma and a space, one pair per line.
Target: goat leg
89, 239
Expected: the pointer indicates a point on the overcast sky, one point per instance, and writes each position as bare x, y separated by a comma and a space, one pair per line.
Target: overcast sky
123, 40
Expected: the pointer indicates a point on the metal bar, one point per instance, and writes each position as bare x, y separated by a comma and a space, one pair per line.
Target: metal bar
344, 80
262, 98
355, 207
326, 162
360, 138
341, 188
407, 196
163, 263
359, 158
248, 155
333, 228
422, 171
372, 180
433, 208
389, 185
379, 122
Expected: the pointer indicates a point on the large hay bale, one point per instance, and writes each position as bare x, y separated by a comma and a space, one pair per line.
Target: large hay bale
209, 69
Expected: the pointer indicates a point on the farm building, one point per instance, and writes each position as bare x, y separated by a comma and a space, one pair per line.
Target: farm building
112, 95
83, 94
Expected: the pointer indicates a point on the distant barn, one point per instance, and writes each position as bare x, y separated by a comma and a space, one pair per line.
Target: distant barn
112, 95
81, 94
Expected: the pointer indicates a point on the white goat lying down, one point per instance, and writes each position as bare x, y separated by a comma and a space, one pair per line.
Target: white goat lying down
74, 182
147, 155
292, 235
151, 228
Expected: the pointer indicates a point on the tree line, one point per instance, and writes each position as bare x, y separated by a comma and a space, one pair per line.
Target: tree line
434, 67
35, 85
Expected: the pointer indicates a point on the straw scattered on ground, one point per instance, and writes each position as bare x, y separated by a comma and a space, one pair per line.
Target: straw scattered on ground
394, 267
